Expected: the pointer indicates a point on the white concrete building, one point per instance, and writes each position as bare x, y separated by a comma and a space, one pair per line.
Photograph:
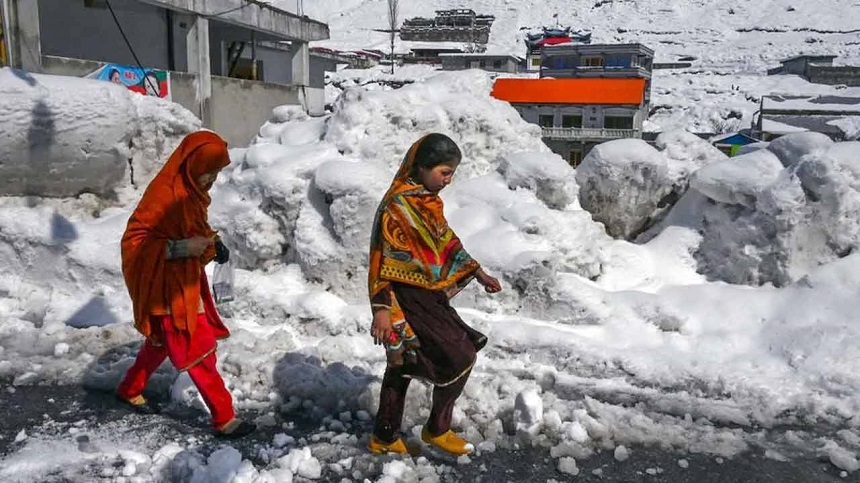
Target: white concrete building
202, 43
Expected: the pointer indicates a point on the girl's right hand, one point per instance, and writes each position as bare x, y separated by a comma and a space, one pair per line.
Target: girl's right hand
381, 328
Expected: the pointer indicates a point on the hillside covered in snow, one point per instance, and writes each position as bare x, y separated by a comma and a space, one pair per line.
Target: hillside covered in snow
735, 35
730, 44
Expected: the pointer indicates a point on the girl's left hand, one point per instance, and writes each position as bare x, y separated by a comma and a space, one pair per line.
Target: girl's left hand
491, 284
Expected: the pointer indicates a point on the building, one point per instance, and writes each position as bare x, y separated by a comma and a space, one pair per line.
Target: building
459, 25
819, 69
490, 62
575, 114
731, 143
354, 59
569, 60
211, 48
834, 116
547, 36
431, 52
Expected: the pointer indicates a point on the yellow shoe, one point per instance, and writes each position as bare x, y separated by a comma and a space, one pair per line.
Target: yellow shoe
377, 446
448, 441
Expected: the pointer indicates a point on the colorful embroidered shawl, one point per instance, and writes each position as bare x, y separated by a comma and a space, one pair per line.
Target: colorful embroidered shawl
412, 243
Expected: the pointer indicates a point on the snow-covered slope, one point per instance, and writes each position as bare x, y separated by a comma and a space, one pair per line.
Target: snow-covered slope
732, 33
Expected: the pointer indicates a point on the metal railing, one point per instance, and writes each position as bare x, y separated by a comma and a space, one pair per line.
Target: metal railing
589, 133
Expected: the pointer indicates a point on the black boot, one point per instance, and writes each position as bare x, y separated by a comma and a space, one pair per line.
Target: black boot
140, 405
236, 429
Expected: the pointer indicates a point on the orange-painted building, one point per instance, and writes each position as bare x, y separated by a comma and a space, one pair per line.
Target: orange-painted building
578, 113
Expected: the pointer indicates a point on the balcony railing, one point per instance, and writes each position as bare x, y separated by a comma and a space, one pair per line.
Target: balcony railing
579, 133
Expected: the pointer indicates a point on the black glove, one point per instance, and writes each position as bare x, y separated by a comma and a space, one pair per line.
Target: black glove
222, 254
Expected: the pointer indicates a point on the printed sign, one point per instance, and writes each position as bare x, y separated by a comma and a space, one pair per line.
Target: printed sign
149, 82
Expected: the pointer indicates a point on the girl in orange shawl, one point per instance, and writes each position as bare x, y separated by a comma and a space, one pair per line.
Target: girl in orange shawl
165, 246
416, 264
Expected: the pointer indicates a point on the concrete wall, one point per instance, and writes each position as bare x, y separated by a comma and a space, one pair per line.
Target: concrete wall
795, 66
70, 29
592, 116
486, 63
239, 107
834, 75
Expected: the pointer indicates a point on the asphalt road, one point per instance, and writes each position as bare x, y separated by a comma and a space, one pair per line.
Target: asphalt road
40, 408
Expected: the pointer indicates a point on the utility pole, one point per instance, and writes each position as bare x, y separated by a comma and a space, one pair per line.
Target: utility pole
392, 26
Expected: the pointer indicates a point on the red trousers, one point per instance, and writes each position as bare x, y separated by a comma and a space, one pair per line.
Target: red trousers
203, 373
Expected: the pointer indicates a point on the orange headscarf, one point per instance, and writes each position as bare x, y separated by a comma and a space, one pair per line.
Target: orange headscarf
411, 241
173, 207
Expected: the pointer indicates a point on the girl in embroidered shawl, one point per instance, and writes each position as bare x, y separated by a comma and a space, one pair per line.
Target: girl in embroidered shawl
165, 246
416, 264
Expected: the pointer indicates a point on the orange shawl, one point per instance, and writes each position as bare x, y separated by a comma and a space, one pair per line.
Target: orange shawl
412, 243
173, 207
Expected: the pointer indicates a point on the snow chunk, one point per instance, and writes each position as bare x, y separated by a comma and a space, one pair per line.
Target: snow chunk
528, 411
300, 462
840, 457
739, 180
567, 465
792, 147
621, 454
546, 174
625, 184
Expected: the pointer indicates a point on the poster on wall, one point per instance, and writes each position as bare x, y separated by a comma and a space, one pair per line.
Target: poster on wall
149, 82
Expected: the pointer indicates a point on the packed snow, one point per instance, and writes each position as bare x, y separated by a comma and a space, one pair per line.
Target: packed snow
733, 321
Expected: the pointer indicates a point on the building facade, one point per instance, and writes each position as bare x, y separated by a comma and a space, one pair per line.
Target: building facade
819, 69
576, 114
598, 61
458, 25
833, 116
231, 61
488, 62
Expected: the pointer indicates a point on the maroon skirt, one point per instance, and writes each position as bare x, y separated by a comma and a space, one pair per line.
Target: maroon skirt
449, 347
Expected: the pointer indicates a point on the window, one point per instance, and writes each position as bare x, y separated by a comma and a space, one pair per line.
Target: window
574, 157
497, 64
592, 61
618, 61
571, 121
475, 64
545, 120
618, 122
535, 61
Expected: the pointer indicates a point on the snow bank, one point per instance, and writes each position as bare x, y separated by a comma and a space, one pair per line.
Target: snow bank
307, 191
792, 148
773, 215
64, 136
628, 186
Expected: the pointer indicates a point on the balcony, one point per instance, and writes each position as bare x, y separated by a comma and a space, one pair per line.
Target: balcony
587, 133
601, 71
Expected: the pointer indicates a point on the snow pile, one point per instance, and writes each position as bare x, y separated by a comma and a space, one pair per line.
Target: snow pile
65, 136
773, 215
739, 180
628, 186
307, 192
791, 149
